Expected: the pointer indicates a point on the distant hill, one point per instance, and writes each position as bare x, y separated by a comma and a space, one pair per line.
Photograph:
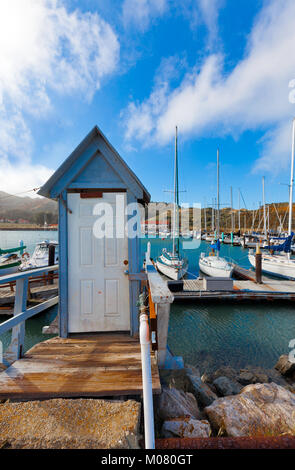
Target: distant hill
33, 210
278, 215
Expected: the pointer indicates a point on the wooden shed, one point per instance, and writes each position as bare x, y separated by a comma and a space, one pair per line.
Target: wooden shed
98, 282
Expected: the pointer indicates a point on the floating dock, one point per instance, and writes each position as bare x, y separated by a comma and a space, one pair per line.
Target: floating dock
88, 365
270, 289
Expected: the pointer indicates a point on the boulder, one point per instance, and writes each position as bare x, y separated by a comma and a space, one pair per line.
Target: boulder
284, 366
226, 386
174, 403
258, 410
186, 427
261, 378
246, 377
175, 378
191, 370
225, 371
203, 393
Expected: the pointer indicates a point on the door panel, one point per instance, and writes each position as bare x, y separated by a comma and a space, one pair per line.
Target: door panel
111, 296
98, 288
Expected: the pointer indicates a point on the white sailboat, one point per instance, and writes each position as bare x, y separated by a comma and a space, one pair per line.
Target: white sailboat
214, 265
171, 264
278, 261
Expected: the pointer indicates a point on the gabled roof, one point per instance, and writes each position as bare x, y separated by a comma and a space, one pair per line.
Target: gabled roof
94, 143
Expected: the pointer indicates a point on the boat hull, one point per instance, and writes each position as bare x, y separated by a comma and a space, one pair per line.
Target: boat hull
170, 271
275, 267
207, 267
4, 271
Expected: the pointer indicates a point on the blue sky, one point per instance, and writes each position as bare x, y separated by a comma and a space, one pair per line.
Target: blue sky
221, 70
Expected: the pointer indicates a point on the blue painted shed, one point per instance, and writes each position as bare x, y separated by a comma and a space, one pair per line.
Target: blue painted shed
95, 291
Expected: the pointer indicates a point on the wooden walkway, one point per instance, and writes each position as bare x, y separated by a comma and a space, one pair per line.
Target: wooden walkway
271, 289
92, 365
37, 293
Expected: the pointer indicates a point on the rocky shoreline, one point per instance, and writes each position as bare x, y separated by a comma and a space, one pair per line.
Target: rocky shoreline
247, 402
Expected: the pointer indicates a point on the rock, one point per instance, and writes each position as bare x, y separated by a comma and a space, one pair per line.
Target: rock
224, 371
206, 378
258, 410
290, 387
245, 377
275, 376
175, 378
2, 367
226, 386
191, 370
261, 378
174, 403
186, 427
284, 366
203, 393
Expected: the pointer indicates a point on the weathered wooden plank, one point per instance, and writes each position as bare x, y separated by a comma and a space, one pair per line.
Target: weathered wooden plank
40, 292
86, 366
159, 290
25, 274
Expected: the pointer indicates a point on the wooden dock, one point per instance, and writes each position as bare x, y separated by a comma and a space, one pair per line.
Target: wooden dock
37, 293
270, 289
92, 365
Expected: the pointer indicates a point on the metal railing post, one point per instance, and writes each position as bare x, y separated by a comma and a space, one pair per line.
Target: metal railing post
147, 385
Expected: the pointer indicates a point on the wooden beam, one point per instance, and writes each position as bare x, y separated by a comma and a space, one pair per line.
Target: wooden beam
159, 290
25, 314
25, 274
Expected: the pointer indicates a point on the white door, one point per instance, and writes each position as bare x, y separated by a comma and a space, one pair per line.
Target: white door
98, 289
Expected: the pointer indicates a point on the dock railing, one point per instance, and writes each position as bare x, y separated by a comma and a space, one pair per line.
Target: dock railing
21, 313
162, 298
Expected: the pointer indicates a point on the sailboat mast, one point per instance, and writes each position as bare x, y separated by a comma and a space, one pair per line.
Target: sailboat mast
291, 180
264, 210
176, 201
239, 210
205, 216
231, 207
218, 221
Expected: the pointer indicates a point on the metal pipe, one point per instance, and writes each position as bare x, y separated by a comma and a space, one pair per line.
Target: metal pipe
144, 335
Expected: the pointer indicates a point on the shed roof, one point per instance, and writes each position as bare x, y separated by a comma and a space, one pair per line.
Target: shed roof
94, 143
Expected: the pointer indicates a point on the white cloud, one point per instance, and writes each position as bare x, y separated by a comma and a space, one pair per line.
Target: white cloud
253, 96
45, 49
207, 12
22, 177
140, 13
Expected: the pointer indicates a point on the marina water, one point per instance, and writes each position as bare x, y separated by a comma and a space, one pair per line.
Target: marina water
206, 334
